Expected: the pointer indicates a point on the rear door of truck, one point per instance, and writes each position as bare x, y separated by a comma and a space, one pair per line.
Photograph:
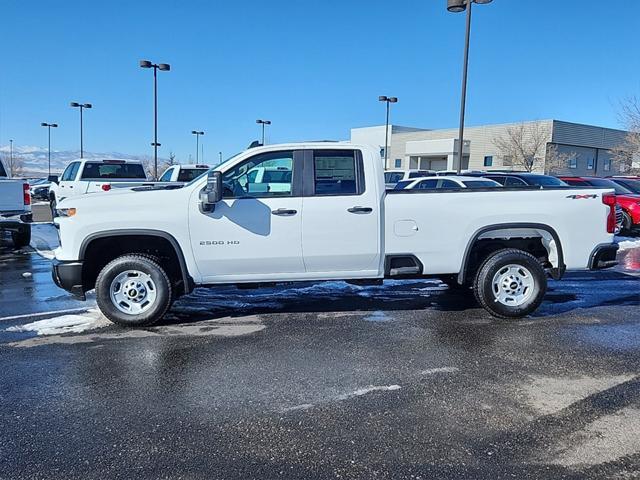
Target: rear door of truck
341, 214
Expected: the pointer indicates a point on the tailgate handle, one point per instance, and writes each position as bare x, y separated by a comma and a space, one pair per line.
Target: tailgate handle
284, 212
360, 210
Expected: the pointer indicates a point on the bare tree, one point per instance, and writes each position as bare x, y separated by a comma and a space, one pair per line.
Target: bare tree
557, 162
525, 144
628, 153
14, 166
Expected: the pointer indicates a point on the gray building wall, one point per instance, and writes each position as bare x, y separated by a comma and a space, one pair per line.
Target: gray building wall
586, 149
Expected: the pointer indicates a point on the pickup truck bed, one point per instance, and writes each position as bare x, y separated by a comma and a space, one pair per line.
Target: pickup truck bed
329, 218
15, 210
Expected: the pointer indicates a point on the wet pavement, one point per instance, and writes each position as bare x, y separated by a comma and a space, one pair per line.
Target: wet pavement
407, 380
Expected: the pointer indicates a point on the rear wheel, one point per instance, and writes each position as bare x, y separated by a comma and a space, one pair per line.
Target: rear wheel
510, 284
22, 236
133, 291
627, 223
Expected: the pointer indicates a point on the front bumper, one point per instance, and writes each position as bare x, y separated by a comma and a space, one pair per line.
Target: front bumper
68, 275
603, 256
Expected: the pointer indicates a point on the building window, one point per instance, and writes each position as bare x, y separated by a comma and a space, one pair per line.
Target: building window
607, 165
413, 162
573, 162
488, 161
590, 163
507, 160
398, 163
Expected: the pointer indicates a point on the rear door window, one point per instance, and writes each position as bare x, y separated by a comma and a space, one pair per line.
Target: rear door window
514, 182
428, 184
336, 173
448, 184
403, 184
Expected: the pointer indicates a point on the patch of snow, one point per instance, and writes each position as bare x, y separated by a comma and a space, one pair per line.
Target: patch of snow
378, 316
364, 391
93, 319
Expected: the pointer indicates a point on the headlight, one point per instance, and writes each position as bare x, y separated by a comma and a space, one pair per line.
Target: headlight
66, 212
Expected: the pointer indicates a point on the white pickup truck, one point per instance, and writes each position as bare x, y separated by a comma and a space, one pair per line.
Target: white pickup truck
89, 175
15, 208
141, 249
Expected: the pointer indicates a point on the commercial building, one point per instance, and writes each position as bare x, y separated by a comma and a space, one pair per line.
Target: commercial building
552, 146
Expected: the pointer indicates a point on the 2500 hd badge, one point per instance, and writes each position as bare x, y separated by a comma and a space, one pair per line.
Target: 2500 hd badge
219, 242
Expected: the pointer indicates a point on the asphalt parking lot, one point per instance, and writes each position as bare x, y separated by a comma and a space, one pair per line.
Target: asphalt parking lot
407, 380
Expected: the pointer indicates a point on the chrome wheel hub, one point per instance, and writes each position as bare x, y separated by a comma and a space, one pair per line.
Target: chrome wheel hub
513, 285
133, 292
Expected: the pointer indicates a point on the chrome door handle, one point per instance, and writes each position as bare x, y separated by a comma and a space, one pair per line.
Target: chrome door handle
284, 212
360, 210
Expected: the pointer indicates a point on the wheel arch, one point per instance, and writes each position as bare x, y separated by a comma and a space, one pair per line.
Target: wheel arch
513, 231
187, 281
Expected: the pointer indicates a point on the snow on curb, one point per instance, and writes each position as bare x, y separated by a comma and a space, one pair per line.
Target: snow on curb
91, 320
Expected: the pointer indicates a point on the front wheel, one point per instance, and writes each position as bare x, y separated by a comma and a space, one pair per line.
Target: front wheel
133, 291
510, 284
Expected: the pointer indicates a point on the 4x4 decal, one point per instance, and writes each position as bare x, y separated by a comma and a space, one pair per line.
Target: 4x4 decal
581, 197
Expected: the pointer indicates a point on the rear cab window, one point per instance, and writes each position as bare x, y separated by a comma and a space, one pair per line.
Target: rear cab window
186, 175
111, 171
337, 172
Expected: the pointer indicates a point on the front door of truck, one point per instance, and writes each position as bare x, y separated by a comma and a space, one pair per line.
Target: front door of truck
341, 216
255, 232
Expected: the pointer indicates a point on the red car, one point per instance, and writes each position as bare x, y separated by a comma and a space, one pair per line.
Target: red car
625, 198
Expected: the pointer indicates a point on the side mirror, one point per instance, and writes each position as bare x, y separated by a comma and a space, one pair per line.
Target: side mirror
212, 193
52, 179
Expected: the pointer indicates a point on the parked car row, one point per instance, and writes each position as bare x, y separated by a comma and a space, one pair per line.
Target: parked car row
626, 189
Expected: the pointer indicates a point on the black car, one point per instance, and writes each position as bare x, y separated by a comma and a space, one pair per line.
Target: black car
525, 179
631, 184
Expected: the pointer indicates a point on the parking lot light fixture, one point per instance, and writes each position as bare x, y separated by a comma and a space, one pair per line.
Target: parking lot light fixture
49, 127
81, 106
457, 6
263, 123
387, 100
197, 134
165, 67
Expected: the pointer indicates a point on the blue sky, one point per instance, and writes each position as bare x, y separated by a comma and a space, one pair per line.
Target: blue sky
314, 68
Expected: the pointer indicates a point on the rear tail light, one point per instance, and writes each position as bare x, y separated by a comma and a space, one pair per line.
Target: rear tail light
106, 187
610, 200
25, 194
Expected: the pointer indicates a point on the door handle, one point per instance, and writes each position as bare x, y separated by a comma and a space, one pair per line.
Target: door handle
284, 212
360, 210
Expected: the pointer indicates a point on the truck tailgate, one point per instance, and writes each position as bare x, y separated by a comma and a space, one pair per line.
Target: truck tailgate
11, 196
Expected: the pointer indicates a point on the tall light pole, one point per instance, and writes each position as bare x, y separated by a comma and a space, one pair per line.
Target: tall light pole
165, 67
49, 127
11, 152
263, 123
197, 134
387, 100
220, 156
457, 6
81, 106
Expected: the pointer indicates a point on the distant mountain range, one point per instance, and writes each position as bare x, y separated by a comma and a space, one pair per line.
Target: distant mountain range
35, 158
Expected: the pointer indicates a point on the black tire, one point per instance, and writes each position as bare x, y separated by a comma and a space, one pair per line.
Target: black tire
22, 236
627, 223
161, 286
522, 290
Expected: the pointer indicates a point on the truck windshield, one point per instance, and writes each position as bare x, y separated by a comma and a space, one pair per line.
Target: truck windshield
110, 171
